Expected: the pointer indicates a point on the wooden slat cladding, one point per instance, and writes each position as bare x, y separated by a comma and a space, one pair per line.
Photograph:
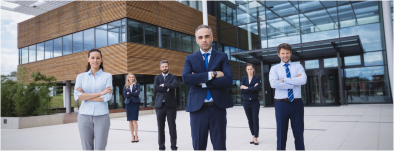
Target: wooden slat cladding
69, 66
73, 17
143, 59
169, 14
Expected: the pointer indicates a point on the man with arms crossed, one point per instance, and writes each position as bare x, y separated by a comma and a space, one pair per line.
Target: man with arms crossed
165, 104
208, 73
286, 78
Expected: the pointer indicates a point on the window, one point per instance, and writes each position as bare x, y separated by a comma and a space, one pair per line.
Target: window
25, 55
32, 53
186, 42
101, 36
114, 32
352, 60
57, 47
40, 51
67, 45
49, 49
173, 40
330, 62
312, 64
196, 47
136, 31
123, 28
88, 39
151, 35
165, 38
77, 42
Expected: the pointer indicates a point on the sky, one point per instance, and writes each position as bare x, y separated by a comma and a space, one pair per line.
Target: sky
9, 40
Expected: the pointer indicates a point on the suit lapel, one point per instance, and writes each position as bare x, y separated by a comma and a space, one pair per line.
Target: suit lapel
252, 81
199, 57
213, 54
167, 77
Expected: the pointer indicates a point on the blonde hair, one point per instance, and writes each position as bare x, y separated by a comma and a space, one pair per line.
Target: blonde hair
127, 80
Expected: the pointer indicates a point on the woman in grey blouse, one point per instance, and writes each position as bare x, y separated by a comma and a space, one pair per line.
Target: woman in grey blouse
94, 89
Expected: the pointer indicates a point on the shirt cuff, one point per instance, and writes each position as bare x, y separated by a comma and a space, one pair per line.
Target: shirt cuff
168, 89
209, 75
204, 85
76, 95
163, 85
106, 97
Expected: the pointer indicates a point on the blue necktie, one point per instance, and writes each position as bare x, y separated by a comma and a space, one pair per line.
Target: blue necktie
289, 91
208, 97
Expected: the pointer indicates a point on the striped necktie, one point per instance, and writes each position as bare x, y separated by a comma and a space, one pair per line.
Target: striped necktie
289, 91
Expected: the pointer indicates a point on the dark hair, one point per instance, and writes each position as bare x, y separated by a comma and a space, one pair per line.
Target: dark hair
164, 61
101, 65
284, 46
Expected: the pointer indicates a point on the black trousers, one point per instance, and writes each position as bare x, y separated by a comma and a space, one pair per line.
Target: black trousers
161, 114
252, 109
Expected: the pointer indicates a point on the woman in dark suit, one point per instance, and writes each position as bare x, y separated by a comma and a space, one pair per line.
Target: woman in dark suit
131, 92
250, 86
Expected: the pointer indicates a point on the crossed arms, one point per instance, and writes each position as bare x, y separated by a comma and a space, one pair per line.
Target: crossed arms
287, 83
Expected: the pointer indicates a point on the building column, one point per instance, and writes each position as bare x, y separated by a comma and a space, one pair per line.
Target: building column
204, 12
342, 98
67, 96
388, 33
262, 83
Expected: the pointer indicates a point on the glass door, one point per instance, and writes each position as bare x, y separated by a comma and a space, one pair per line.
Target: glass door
322, 87
314, 90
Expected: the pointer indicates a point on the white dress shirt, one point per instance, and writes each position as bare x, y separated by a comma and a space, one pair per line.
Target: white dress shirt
204, 85
164, 76
281, 88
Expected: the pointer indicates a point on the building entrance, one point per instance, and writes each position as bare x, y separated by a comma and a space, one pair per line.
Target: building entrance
322, 87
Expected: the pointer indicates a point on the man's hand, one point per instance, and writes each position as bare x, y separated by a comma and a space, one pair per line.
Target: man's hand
162, 85
80, 89
256, 84
127, 92
106, 90
282, 80
218, 74
299, 75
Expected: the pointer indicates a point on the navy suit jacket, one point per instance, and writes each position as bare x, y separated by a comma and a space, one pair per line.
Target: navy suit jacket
253, 91
132, 96
217, 86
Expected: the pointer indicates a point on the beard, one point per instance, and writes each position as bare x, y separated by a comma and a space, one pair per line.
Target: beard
165, 71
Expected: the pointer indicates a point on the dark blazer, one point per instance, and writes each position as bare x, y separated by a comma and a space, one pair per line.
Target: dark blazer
132, 96
161, 92
217, 86
252, 92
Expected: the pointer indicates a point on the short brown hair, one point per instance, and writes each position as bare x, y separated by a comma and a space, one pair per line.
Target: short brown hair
249, 64
284, 46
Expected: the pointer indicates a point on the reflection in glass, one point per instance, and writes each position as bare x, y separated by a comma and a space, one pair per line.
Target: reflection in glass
366, 12
346, 16
370, 35
25, 55
352, 60
249, 11
249, 37
367, 85
329, 88
228, 15
150, 95
40, 51
77, 42
373, 58
101, 36
313, 84
330, 62
88, 39
57, 47
151, 35
311, 64
123, 29
114, 32
166, 38
179, 41
186, 42
32, 53
282, 30
196, 47
263, 33
49, 49
67, 45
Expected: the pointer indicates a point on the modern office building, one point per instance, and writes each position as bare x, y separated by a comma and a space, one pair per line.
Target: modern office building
341, 44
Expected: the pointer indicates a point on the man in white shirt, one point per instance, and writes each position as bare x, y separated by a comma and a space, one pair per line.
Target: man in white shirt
286, 78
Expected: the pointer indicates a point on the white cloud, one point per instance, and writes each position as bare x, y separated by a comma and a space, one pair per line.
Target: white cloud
9, 39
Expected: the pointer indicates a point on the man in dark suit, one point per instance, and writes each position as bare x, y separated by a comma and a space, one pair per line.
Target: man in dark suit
208, 73
165, 104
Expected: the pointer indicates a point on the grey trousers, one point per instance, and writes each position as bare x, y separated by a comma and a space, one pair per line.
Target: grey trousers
93, 128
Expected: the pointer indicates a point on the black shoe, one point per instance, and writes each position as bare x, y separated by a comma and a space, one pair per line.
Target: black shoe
256, 143
251, 142
132, 141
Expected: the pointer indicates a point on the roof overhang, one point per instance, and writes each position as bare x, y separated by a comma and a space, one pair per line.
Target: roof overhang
325, 48
35, 7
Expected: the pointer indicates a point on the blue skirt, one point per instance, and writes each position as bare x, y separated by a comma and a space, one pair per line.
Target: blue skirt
132, 111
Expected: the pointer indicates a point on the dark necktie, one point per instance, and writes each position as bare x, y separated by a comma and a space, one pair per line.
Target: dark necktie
289, 91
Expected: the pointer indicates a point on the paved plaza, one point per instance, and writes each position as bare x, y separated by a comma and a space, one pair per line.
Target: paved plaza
352, 127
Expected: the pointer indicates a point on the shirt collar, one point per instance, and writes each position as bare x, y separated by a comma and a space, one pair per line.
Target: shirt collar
282, 63
164, 75
210, 51
97, 73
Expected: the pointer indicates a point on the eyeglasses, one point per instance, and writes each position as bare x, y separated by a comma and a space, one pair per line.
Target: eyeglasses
206, 37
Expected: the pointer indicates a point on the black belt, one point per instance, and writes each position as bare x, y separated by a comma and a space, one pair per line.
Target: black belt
209, 104
286, 100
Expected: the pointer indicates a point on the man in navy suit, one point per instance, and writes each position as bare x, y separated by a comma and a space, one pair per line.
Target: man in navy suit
208, 73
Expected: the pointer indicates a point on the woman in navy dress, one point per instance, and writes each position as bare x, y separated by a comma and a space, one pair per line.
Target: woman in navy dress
131, 92
250, 86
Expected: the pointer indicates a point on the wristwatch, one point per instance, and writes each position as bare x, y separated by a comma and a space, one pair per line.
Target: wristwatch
214, 74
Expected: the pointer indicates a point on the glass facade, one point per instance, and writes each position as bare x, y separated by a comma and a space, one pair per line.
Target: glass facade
266, 24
